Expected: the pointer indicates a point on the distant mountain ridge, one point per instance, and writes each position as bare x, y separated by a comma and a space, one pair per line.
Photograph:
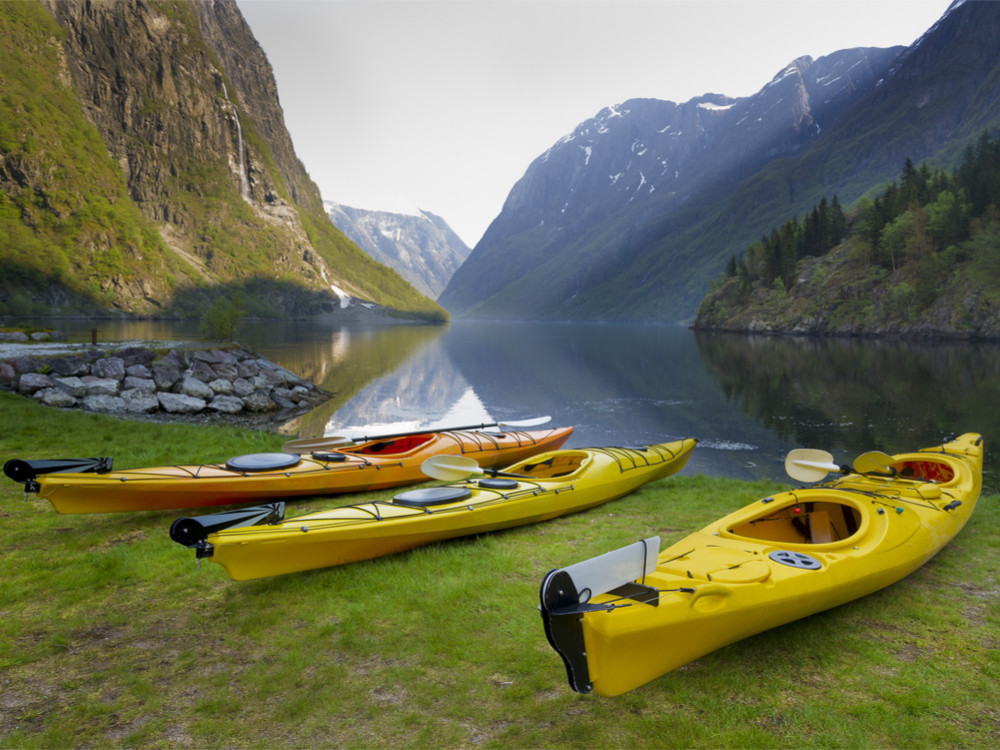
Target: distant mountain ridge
630, 216
422, 247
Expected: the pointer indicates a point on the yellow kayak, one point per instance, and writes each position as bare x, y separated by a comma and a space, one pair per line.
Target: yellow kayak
91, 486
627, 617
545, 486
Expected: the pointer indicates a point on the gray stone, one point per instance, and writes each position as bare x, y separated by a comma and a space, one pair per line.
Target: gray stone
165, 376
221, 385
242, 387
68, 366
33, 381
112, 367
247, 368
178, 403
20, 336
101, 386
227, 371
194, 387
55, 397
104, 404
258, 401
72, 385
138, 371
226, 404
7, 373
143, 384
140, 401
202, 371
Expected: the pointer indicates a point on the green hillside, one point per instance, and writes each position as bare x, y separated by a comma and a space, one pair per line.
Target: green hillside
920, 257
120, 131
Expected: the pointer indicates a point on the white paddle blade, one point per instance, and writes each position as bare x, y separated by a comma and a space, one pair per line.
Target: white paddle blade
308, 445
874, 462
450, 468
525, 422
809, 464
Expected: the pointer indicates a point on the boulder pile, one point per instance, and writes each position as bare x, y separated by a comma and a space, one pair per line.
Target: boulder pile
140, 381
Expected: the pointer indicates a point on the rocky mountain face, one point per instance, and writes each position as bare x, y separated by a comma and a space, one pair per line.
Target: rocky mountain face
633, 213
200, 190
421, 247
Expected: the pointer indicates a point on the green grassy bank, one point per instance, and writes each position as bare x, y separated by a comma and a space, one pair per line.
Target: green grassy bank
110, 635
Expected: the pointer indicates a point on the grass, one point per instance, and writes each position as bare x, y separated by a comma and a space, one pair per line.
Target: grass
111, 636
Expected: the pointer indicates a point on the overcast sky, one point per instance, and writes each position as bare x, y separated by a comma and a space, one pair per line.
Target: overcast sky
441, 105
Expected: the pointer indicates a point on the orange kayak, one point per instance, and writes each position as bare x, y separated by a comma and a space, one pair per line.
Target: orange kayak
91, 486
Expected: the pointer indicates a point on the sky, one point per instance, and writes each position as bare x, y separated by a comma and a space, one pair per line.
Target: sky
441, 105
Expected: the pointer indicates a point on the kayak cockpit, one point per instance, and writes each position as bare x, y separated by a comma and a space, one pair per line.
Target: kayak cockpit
399, 445
813, 522
555, 465
925, 470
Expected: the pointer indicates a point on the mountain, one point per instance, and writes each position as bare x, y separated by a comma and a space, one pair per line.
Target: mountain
632, 214
422, 247
145, 167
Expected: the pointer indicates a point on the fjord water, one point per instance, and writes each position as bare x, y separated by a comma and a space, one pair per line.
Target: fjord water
748, 399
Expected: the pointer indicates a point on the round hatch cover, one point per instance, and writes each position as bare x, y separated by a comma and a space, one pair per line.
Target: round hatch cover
432, 496
263, 462
498, 483
795, 559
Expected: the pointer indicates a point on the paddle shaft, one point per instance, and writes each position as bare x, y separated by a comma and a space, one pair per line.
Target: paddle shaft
334, 440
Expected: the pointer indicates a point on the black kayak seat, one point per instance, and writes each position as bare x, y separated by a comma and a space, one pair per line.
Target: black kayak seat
432, 496
263, 462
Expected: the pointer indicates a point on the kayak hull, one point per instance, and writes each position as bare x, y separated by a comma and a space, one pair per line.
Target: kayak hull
372, 465
777, 560
587, 478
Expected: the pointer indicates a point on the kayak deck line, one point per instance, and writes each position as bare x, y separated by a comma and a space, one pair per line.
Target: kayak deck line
535, 489
775, 560
257, 478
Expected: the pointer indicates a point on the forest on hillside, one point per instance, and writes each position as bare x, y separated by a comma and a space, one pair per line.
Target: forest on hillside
896, 261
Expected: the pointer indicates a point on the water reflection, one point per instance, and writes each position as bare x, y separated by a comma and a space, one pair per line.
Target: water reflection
748, 399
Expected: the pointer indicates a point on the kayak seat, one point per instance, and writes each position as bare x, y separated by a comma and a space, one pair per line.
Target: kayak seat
428, 496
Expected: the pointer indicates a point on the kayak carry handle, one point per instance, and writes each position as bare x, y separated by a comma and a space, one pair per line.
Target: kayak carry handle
24, 470
190, 531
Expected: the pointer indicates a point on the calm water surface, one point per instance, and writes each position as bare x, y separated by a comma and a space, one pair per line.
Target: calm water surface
748, 399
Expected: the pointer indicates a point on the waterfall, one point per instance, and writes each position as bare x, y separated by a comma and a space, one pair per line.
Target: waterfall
244, 182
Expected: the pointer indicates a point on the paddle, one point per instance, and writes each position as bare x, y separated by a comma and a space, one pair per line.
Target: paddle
306, 445
456, 468
810, 465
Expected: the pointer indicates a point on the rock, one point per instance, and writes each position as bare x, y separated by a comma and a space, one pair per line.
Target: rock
258, 402
221, 385
68, 365
16, 336
7, 374
72, 385
138, 371
55, 397
142, 384
110, 368
165, 376
101, 386
227, 371
30, 382
242, 387
103, 403
179, 403
202, 371
140, 401
191, 386
226, 404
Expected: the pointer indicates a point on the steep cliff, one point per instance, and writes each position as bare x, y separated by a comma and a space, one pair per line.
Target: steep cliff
144, 153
